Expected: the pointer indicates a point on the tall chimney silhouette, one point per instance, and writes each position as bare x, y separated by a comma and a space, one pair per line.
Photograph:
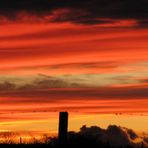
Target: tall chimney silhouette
63, 128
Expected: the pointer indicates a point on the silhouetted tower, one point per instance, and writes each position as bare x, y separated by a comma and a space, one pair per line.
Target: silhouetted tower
20, 140
142, 145
63, 128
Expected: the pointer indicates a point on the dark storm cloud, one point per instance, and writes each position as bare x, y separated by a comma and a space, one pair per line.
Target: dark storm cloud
78, 11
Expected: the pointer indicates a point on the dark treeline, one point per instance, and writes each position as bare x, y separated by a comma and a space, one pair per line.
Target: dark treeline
74, 141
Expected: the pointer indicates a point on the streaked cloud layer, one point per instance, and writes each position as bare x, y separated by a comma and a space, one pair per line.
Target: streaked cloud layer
87, 57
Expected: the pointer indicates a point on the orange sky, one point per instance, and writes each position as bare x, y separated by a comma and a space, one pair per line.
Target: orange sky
92, 71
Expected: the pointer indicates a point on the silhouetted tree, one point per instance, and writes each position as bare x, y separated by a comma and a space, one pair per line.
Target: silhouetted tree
8, 137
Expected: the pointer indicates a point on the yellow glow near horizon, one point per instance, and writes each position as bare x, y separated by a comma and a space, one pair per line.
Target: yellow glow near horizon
76, 121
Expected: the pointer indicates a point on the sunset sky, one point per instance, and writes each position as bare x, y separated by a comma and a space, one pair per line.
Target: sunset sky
87, 57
